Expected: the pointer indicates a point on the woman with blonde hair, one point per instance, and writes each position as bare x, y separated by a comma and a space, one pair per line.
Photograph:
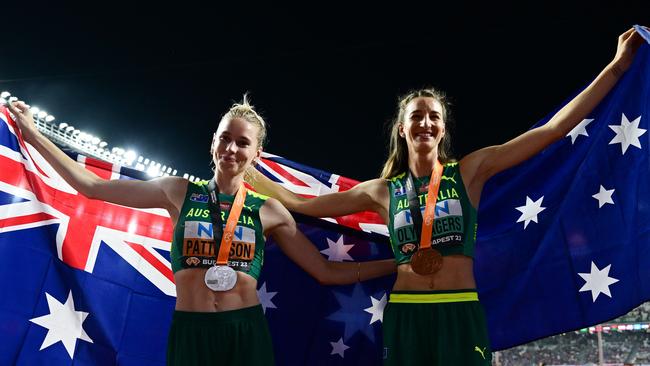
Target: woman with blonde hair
218, 241
433, 316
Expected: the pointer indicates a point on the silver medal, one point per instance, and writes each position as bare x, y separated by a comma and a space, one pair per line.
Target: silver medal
220, 278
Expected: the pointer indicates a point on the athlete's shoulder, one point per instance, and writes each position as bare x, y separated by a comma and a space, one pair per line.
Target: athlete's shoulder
257, 195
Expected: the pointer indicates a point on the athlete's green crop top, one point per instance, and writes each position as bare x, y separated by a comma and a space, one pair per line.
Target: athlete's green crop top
454, 229
193, 244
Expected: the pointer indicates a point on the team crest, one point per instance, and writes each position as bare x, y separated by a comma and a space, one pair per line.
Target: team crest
408, 248
198, 197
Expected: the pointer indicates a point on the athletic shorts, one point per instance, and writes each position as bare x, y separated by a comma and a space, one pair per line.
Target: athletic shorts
236, 337
435, 328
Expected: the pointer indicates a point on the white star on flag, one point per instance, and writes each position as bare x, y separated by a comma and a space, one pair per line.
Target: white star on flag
337, 251
627, 133
580, 129
530, 210
604, 196
338, 348
377, 309
597, 281
63, 323
265, 298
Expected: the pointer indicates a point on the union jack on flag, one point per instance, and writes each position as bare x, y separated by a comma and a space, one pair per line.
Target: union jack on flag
67, 257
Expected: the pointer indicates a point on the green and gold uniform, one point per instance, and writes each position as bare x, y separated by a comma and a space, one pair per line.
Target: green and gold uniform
237, 337
434, 327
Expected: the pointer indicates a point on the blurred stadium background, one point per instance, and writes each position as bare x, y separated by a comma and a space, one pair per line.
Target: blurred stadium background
623, 341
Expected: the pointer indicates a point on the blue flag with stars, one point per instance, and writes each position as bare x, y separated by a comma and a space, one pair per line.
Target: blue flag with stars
325, 325
564, 238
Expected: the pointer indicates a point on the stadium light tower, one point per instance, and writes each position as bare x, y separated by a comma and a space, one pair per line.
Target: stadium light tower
66, 135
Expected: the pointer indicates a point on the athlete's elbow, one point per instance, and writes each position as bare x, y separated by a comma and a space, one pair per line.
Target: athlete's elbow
326, 275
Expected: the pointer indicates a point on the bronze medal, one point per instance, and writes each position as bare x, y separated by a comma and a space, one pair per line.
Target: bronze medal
426, 261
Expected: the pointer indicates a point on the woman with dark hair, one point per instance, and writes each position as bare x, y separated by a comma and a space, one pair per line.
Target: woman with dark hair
434, 316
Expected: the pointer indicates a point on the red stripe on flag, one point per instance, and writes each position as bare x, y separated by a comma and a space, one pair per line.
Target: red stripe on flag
27, 219
102, 169
285, 174
160, 266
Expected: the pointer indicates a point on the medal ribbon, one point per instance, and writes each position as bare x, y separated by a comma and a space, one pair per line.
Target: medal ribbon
231, 222
429, 210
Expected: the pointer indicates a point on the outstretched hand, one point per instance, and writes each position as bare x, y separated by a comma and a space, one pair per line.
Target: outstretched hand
628, 43
23, 117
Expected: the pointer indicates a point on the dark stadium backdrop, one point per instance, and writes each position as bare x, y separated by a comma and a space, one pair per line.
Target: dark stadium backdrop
155, 77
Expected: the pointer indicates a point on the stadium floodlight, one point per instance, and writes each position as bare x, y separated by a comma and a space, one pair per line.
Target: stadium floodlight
130, 156
153, 171
67, 135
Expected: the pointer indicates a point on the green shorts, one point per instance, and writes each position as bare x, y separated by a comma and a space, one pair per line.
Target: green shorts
237, 337
435, 328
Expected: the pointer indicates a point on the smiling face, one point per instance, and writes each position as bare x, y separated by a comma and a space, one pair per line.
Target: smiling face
423, 126
235, 146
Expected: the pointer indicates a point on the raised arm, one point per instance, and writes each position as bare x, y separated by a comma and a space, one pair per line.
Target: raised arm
155, 193
370, 195
279, 224
479, 166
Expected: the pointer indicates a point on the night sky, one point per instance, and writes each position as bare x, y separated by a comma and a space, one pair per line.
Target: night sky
156, 78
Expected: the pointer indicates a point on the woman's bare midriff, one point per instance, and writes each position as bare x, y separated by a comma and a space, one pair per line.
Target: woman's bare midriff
193, 295
456, 273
